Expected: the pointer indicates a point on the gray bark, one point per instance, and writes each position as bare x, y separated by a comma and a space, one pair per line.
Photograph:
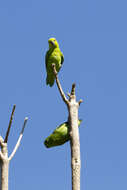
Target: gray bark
4, 175
74, 143
0, 173
72, 106
4, 167
4, 159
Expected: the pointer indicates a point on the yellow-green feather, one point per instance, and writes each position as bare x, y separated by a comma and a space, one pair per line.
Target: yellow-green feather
53, 55
59, 136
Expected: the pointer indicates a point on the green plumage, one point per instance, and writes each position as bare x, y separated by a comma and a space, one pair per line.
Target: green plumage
59, 136
53, 55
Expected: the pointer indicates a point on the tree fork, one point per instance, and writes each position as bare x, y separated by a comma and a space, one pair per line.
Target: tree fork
4, 159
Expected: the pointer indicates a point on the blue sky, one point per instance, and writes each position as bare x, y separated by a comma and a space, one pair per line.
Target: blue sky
93, 37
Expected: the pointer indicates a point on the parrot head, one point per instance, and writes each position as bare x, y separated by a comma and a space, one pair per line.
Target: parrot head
53, 43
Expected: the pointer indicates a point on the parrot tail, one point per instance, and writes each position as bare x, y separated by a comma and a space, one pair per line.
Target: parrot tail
50, 80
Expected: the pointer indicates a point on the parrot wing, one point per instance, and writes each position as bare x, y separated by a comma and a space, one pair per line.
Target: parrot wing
59, 136
62, 58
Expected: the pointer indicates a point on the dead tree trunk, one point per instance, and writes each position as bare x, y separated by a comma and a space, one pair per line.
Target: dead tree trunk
4, 164
4, 159
75, 141
72, 106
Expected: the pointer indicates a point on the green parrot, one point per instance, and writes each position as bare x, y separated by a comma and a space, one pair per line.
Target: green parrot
59, 136
53, 55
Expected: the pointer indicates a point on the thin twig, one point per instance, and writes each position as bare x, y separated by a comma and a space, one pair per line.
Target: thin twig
1, 141
19, 140
59, 85
24, 124
73, 89
9, 126
80, 101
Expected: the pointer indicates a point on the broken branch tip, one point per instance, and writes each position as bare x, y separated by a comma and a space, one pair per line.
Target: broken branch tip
26, 118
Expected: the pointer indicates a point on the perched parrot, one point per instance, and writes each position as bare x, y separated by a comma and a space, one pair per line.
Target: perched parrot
59, 136
53, 55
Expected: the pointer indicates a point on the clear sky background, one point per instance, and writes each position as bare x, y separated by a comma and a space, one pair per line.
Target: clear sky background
93, 37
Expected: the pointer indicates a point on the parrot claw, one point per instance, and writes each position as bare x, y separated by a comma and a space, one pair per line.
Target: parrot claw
54, 69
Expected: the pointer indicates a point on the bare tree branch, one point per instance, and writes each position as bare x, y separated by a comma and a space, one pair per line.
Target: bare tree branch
80, 101
19, 140
73, 89
3, 149
59, 85
74, 140
1, 140
4, 167
73, 131
1, 156
4, 160
9, 126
